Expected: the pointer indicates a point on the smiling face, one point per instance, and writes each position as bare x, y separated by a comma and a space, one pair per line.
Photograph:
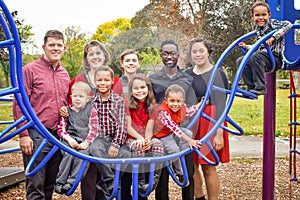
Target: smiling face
95, 57
260, 15
79, 98
103, 82
140, 89
199, 54
130, 63
54, 49
175, 100
169, 55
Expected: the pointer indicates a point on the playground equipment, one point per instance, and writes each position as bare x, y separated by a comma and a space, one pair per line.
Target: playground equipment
12, 44
289, 11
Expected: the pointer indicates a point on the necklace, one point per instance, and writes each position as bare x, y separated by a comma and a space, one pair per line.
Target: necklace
199, 71
88, 80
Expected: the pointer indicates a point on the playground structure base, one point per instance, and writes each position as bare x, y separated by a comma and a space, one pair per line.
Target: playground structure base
10, 176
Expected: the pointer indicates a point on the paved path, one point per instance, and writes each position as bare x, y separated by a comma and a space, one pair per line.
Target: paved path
252, 147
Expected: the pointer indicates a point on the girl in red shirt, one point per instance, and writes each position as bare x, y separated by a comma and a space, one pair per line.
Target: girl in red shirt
140, 123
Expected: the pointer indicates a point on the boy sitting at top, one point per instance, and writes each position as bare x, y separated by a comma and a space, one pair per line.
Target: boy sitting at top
260, 62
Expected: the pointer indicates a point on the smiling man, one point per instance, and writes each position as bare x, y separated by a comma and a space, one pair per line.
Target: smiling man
47, 86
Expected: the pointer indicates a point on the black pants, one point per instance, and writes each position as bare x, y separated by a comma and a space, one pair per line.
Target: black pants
88, 185
162, 189
126, 183
41, 185
254, 71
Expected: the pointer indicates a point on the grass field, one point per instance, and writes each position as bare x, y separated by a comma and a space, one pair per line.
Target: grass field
248, 114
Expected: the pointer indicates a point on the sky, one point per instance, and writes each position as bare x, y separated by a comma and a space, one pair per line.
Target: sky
44, 15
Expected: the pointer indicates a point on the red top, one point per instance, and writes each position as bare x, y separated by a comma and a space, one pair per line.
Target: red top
168, 122
47, 90
139, 118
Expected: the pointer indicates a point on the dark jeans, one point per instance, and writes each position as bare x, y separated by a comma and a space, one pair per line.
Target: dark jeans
162, 189
88, 185
126, 183
41, 185
254, 71
99, 148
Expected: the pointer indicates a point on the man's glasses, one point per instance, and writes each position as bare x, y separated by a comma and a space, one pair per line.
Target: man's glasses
166, 53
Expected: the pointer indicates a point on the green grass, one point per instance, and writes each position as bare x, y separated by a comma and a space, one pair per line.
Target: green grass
249, 113
246, 113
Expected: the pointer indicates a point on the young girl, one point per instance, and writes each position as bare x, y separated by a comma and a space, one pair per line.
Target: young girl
140, 123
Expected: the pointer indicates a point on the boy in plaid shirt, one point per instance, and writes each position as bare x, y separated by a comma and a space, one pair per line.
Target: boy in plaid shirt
107, 129
260, 62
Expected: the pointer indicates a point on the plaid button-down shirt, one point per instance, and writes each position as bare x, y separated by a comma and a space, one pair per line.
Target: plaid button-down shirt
282, 26
110, 121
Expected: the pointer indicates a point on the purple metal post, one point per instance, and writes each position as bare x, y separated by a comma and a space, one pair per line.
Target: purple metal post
269, 137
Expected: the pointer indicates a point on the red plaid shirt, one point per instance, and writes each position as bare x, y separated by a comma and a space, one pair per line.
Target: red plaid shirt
109, 121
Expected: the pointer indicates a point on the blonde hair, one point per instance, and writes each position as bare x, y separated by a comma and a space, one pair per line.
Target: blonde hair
83, 86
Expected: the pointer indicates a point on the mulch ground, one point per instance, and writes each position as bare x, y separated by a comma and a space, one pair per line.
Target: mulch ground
241, 179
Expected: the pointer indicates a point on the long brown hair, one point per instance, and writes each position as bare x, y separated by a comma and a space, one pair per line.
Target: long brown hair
150, 101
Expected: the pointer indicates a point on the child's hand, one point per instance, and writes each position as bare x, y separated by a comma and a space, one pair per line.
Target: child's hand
63, 111
270, 41
113, 152
243, 44
84, 145
199, 104
147, 145
218, 142
139, 143
194, 143
71, 141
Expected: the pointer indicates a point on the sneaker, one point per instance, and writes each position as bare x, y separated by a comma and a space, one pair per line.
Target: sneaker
258, 92
58, 188
66, 187
143, 188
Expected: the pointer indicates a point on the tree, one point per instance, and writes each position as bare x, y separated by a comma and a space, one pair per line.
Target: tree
75, 42
25, 36
105, 32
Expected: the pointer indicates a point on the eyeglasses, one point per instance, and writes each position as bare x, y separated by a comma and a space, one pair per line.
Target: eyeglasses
166, 53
